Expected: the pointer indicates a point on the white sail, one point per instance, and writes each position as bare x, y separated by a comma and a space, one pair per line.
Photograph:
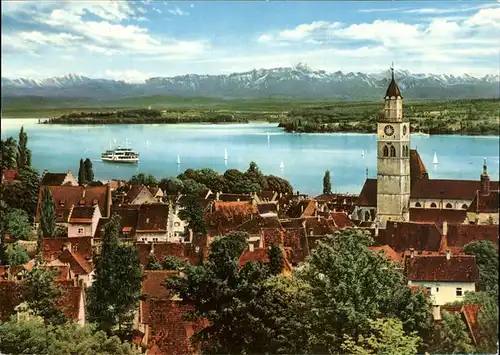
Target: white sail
268, 136
362, 153
225, 154
282, 165
435, 160
178, 159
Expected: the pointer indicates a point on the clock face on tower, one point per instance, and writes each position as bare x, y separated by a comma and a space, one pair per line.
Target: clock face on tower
389, 130
404, 130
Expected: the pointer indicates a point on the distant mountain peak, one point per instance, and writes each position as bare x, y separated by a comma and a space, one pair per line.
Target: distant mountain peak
299, 80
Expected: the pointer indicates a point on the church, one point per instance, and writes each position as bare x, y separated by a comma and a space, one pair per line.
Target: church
403, 191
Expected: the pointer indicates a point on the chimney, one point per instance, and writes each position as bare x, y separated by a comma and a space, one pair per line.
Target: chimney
67, 246
197, 249
83, 194
250, 247
445, 228
376, 230
448, 254
485, 180
190, 235
412, 253
319, 217
152, 250
217, 195
301, 208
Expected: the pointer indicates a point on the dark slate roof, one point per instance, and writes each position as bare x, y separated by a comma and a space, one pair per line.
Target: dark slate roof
53, 179
402, 236
485, 203
368, 194
152, 217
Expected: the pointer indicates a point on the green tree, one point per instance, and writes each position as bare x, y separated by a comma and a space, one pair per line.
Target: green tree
81, 173
4, 209
453, 337
15, 254
47, 214
279, 185
116, 289
89, 172
173, 263
254, 174
18, 224
171, 186
191, 187
487, 263
142, 179
43, 295
23, 153
23, 194
193, 214
35, 337
352, 285
9, 153
153, 263
488, 324
275, 259
250, 312
327, 183
386, 337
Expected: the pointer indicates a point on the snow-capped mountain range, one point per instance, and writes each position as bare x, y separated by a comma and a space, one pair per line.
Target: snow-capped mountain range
299, 81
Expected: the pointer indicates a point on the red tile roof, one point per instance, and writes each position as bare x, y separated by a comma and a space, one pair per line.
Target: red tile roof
153, 289
70, 300
53, 179
485, 203
170, 333
437, 216
81, 214
264, 208
402, 236
225, 197
341, 220
417, 167
53, 247
152, 218
319, 226
459, 268
256, 224
390, 253
183, 251
227, 216
262, 255
459, 235
76, 262
447, 189
67, 196
368, 195
295, 239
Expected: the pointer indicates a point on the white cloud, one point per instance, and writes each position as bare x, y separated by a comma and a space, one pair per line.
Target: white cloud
157, 10
449, 10
178, 12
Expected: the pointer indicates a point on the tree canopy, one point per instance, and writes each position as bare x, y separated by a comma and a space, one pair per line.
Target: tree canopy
115, 292
15, 254
327, 183
487, 263
47, 214
18, 224
35, 337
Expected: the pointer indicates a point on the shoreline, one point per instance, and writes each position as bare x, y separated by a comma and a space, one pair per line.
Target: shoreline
283, 129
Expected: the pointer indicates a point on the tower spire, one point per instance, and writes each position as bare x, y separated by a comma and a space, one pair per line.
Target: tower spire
392, 70
485, 168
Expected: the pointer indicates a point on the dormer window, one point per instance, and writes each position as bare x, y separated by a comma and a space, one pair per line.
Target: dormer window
94, 202
147, 220
81, 202
60, 215
75, 248
62, 203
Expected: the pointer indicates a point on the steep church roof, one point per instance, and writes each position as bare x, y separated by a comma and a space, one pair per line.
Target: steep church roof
393, 89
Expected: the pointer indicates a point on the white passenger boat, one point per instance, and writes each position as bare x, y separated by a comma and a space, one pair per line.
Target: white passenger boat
120, 155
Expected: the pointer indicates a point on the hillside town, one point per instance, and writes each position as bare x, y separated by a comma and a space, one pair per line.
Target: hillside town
421, 226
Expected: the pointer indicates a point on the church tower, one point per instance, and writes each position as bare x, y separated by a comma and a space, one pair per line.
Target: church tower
393, 159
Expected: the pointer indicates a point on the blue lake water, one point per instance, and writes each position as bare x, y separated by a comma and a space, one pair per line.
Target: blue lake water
305, 156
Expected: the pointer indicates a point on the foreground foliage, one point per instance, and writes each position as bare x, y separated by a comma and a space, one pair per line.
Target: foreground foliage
35, 337
115, 292
340, 297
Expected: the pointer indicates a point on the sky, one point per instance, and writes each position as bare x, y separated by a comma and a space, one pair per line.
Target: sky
135, 40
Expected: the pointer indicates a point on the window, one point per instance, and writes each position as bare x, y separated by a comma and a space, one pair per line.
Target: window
177, 224
393, 151
448, 205
428, 289
459, 292
386, 151
367, 216
464, 206
155, 239
418, 204
433, 205
80, 230
437, 289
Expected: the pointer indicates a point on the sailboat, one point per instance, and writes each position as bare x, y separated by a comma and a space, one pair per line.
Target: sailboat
282, 165
435, 160
225, 154
178, 160
362, 153
268, 136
